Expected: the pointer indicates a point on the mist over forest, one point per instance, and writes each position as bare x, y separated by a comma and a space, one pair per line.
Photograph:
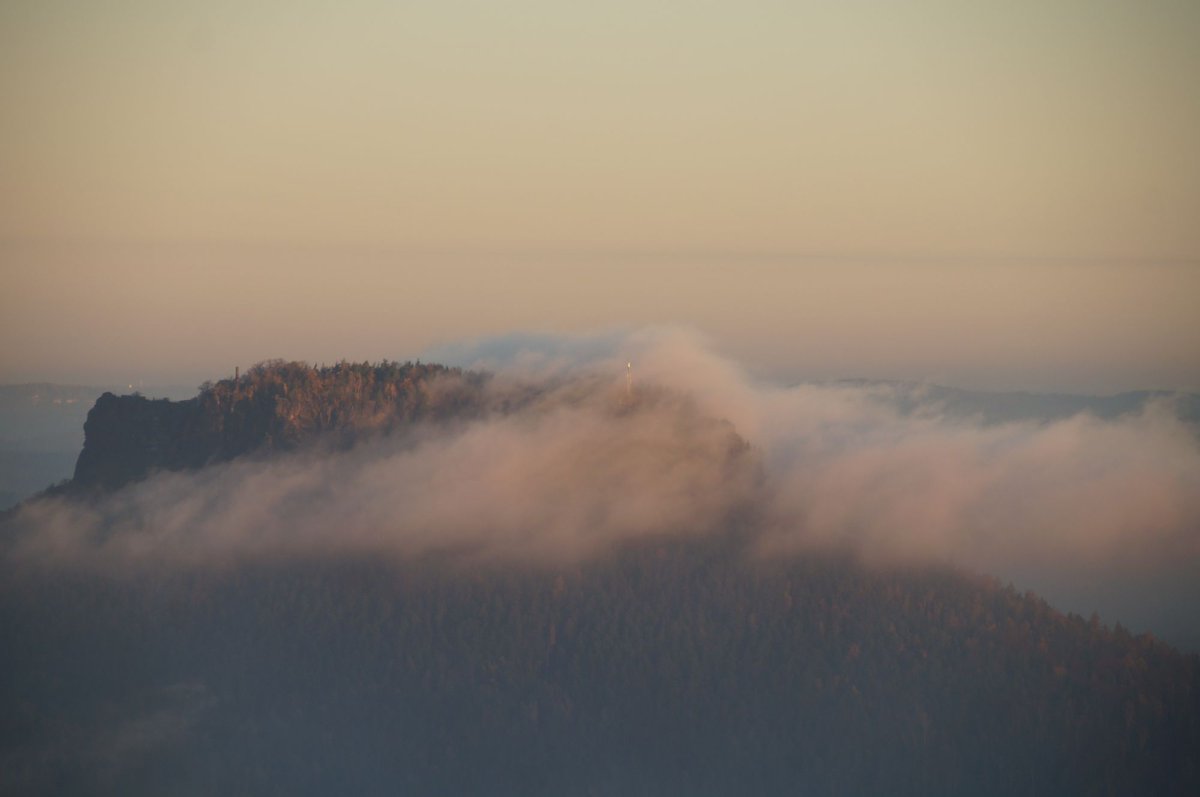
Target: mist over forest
554, 456
483, 579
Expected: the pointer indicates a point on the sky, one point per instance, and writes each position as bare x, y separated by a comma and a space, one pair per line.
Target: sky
992, 195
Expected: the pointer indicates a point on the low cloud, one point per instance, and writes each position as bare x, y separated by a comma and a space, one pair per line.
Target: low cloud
695, 444
850, 470
583, 465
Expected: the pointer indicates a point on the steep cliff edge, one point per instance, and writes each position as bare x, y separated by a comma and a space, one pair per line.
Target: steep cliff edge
273, 406
125, 437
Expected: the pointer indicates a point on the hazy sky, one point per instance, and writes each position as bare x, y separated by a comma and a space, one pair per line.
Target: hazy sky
991, 194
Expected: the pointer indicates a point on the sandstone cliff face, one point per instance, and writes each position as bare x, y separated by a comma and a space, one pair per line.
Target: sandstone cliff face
274, 406
125, 437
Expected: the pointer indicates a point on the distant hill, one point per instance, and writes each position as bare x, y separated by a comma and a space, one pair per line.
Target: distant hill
1005, 407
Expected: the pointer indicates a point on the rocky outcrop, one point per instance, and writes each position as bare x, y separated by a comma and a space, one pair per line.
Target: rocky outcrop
274, 406
125, 437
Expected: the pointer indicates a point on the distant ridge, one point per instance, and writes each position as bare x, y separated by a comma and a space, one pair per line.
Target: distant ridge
1005, 407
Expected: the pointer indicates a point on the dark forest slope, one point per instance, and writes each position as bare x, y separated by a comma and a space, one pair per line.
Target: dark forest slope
671, 668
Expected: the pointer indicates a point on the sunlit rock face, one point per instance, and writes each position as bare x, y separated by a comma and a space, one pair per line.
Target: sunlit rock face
275, 406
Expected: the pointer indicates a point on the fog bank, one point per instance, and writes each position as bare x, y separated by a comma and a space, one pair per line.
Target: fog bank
691, 448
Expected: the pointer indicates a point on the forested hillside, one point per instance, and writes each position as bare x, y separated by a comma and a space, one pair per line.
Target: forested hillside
666, 668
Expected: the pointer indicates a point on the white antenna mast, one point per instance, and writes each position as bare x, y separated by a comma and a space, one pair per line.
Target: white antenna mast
629, 380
